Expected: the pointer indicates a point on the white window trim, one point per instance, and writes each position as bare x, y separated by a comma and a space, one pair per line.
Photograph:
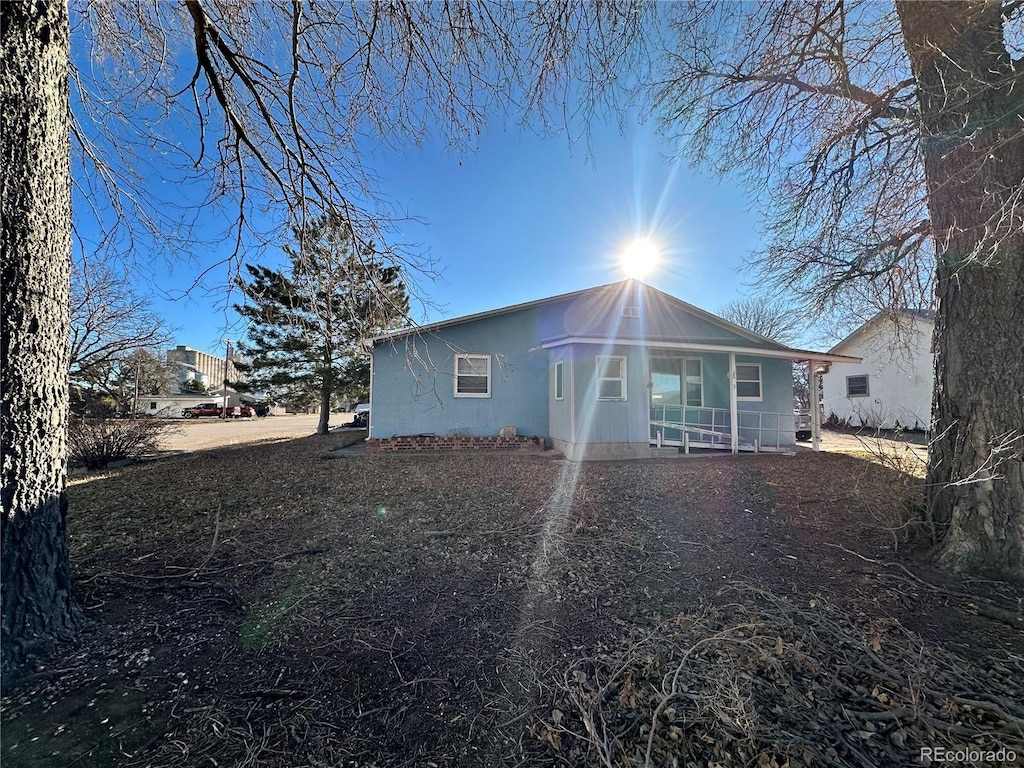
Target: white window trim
700, 362
760, 383
597, 375
455, 383
559, 368
867, 384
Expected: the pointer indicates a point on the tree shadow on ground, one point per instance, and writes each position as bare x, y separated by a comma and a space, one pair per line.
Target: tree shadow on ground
287, 604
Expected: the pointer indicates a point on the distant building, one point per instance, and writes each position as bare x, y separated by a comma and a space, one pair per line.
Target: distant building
892, 385
201, 367
193, 365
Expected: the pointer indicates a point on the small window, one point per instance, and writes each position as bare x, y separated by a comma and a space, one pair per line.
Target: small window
694, 382
559, 392
472, 375
611, 378
857, 386
631, 311
152, 406
748, 381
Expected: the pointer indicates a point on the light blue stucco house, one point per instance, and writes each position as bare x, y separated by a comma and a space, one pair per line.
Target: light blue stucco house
618, 371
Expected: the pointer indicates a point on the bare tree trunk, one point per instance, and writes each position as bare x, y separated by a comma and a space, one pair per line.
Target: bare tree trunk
326, 390
35, 172
973, 144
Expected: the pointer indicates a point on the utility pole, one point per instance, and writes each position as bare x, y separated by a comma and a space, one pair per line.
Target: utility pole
227, 358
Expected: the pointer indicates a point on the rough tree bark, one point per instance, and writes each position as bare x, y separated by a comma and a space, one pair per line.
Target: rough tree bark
973, 142
35, 174
326, 390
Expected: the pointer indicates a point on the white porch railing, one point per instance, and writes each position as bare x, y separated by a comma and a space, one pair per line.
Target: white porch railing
688, 427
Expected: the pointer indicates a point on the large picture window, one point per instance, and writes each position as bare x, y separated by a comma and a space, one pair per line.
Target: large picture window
748, 381
472, 375
611, 378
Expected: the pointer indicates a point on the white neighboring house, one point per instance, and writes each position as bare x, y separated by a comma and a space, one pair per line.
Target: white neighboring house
892, 386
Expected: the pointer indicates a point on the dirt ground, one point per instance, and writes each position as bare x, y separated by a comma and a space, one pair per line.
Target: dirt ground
850, 442
205, 434
290, 605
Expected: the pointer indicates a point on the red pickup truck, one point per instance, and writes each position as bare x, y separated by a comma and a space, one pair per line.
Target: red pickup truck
212, 409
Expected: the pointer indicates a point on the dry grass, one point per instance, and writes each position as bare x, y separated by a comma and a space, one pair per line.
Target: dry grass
283, 605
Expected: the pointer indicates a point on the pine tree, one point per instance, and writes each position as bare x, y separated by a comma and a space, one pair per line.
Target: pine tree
306, 326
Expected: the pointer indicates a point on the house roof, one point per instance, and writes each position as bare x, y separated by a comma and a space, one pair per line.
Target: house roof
727, 337
618, 288
917, 314
430, 327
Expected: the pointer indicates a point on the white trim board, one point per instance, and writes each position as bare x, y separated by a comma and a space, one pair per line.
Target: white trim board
797, 355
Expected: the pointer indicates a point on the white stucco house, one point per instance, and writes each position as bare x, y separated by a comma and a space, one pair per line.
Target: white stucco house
891, 387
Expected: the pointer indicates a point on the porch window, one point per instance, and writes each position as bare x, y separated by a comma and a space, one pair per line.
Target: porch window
694, 382
472, 375
857, 386
748, 381
559, 392
611, 378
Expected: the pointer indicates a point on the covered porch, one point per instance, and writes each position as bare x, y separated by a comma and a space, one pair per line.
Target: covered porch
752, 418
632, 398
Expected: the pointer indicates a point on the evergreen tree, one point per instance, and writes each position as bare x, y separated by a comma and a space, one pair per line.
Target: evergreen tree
306, 326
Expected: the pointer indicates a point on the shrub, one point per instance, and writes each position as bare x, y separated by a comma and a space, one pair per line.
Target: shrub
95, 443
834, 422
898, 509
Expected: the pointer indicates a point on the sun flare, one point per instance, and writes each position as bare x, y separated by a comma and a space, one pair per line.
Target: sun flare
640, 258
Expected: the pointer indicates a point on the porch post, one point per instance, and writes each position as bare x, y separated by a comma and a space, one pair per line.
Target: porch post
734, 425
812, 390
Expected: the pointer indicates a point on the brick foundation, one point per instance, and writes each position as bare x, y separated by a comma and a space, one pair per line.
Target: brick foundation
437, 443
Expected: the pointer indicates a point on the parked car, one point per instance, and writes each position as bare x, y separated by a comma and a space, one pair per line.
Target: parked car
361, 419
203, 409
802, 423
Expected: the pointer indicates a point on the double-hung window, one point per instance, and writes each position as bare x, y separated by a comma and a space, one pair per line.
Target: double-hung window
611, 378
472, 375
748, 381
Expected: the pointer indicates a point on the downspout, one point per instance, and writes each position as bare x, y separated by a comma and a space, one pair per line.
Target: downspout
734, 417
369, 417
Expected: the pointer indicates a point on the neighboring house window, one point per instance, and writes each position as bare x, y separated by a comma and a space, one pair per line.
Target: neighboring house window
559, 383
611, 378
472, 375
748, 381
857, 386
694, 383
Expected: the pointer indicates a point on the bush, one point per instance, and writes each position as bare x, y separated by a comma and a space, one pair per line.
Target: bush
899, 509
95, 443
834, 422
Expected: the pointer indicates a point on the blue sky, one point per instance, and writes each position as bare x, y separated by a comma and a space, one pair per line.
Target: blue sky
524, 217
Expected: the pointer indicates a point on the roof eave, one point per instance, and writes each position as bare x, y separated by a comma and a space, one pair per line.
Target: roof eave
786, 353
